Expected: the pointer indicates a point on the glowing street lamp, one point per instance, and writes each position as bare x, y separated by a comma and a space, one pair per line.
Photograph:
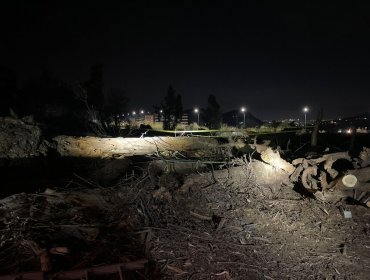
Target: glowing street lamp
243, 109
305, 110
134, 113
196, 110
142, 112
160, 115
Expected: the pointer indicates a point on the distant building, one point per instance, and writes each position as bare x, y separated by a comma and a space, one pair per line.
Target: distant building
185, 120
149, 118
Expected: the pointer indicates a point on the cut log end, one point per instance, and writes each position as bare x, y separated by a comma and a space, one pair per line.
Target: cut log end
349, 181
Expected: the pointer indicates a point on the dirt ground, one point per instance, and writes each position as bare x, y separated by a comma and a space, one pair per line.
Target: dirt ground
207, 225
259, 234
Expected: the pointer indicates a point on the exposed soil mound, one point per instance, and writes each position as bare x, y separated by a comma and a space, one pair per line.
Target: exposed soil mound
21, 139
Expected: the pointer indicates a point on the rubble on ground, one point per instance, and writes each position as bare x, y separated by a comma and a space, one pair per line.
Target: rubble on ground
240, 220
193, 210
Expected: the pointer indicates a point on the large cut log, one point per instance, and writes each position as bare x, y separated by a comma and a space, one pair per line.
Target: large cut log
273, 158
329, 161
364, 157
307, 180
94, 147
357, 179
255, 174
297, 172
362, 174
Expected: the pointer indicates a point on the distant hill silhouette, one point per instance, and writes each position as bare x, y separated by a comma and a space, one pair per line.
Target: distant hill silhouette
359, 121
235, 118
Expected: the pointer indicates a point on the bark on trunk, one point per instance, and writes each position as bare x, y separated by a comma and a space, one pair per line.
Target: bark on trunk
94, 147
315, 131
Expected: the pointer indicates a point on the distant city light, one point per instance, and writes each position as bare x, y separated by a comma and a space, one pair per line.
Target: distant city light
134, 113
349, 131
161, 111
142, 112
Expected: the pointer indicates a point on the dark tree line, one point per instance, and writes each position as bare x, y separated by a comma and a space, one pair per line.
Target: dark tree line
86, 106
212, 113
172, 110
103, 106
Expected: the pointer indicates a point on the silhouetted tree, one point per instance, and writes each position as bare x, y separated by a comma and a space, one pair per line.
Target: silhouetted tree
114, 104
172, 109
212, 114
102, 107
8, 89
50, 101
275, 124
94, 87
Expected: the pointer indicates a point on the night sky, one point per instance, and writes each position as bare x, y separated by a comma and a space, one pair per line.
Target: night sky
271, 58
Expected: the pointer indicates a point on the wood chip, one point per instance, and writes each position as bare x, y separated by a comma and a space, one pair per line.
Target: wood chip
221, 224
175, 269
200, 217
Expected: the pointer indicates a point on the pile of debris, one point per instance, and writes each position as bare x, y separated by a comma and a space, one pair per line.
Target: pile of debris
69, 230
320, 176
239, 219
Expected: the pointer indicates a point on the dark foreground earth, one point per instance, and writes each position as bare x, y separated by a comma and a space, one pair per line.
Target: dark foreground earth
206, 225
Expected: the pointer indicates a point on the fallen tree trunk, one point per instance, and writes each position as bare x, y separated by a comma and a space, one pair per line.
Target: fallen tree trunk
273, 158
356, 179
314, 176
94, 147
307, 178
364, 157
256, 175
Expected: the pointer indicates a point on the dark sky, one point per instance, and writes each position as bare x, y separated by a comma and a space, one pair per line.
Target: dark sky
272, 58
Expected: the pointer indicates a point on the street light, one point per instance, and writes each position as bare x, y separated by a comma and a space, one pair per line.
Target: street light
305, 110
243, 111
196, 110
160, 115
